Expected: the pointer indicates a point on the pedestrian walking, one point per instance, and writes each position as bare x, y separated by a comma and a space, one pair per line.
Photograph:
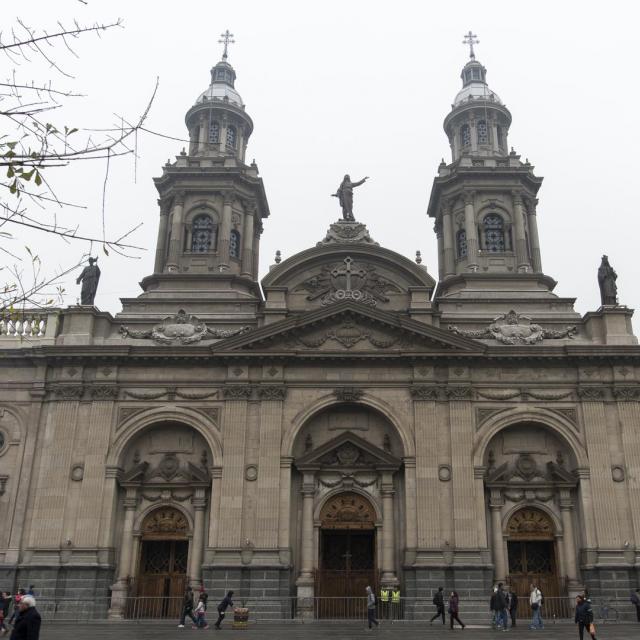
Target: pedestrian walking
371, 608
535, 601
27, 625
584, 617
454, 608
635, 601
438, 600
187, 607
201, 612
5, 605
513, 606
501, 604
225, 603
492, 608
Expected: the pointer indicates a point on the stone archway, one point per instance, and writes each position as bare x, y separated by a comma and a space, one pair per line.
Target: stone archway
347, 550
162, 569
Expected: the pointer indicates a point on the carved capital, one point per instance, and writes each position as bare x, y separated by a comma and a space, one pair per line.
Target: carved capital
178, 198
130, 504
69, 392
458, 393
272, 392
237, 393
467, 196
591, 393
517, 197
348, 394
424, 392
626, 394
3, 484
104, 392
228, 198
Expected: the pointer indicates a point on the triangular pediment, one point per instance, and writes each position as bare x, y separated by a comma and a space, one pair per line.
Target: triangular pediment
350, 328
348, 450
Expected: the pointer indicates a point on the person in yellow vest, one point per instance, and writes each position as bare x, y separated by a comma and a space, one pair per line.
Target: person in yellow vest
384, 602
396, 603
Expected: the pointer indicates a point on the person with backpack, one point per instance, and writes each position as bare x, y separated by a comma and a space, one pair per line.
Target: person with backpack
635, 601
187, 607
584, 617
454, 607
371, 608
535, 601
501, 603
438, 600
222, 607
201, 612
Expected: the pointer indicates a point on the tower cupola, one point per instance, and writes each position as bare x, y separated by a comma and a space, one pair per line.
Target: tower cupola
218, 123
478, 123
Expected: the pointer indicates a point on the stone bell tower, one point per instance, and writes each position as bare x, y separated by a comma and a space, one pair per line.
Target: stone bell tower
484, 206
211, 209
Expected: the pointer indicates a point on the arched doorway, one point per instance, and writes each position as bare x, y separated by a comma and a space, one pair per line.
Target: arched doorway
162, 573
347, 550
531, 551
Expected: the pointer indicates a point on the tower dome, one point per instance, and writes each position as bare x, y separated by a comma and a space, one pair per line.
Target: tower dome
479, 122
218, 123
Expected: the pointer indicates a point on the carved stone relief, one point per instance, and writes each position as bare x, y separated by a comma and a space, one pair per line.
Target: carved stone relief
515, 329
347, 335
348, 511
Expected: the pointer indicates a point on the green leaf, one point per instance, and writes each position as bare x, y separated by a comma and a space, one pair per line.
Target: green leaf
10, 172
38, 179
105, 249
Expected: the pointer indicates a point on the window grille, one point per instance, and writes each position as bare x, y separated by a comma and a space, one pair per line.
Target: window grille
234, 244
461, 243
202, 231
494, 233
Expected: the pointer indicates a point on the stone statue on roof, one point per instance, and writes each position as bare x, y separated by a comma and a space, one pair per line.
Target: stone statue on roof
345, 196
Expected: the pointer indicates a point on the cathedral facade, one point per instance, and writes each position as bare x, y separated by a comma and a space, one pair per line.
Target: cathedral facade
346, 420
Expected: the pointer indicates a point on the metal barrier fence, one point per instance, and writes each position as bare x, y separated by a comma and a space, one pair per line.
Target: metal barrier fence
473, 610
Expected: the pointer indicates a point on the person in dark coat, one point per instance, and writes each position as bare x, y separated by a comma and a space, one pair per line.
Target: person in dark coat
187, 607
501, 604
5, 605
635, 601
225, 603
513, 607
438, 600
27, 625
454, 607
584, 617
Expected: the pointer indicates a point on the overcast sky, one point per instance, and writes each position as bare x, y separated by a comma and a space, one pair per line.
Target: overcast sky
362, 88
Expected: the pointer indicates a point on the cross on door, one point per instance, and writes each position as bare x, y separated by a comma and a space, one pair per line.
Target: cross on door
347, 557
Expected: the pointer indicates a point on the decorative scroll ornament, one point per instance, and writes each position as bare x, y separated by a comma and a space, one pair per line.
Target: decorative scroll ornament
498, 394
347, 232
275, 392
348, 334
591, 393
513, 328
424, 392
165, 522
104, 392
348, 394
530, 524
626, 393
348, 280
237, 393
180, 329
347, 511
69, 392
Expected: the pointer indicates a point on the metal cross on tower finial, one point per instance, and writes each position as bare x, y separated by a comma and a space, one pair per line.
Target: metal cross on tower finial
227, 39
471, 39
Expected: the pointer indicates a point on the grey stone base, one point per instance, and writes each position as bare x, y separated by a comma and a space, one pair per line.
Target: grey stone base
265, 590
613, 585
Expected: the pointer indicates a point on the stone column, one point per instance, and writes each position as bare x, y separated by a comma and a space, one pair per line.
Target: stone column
284, 543
161, 245
225, 229
568, 539
203, 138
305, 580
388, 527
474, 134
247, 241
629, 412
471, 230
199, 503
533, 236
495, 505
522, 257
437, 227
175, 245
120, 589
449, 241
214, 513
494, 136
410, 509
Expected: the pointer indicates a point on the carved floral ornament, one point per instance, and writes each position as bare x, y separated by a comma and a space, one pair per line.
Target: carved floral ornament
530, 524
349, 334
165, 522
181, 328
515, 329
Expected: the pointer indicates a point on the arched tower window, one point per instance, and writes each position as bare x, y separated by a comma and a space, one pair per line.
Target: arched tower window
231, 138
493, 228
214, 132
483, 132
461, 243
465, 135
202, 234
234, 244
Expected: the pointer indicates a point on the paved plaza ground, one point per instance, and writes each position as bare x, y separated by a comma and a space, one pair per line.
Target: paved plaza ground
316, 631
